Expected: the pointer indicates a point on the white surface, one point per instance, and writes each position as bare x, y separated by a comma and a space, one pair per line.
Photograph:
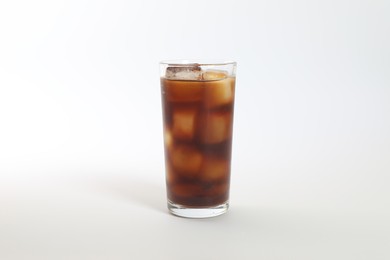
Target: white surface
81, 159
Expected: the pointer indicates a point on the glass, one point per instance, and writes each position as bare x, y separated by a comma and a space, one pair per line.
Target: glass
198, 106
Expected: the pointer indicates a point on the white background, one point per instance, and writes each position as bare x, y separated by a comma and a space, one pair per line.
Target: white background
81, 150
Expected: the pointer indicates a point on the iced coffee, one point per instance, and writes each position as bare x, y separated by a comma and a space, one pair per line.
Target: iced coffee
198, 105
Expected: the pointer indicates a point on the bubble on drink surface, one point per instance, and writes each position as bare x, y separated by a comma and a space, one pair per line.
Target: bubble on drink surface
184, 123
186, 159
216, 128
185, 72
214, 169
219, 92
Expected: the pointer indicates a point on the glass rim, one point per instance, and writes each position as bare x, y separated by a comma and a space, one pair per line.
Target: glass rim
186, 62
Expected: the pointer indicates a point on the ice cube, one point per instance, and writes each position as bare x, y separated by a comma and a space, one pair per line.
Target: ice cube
214, 169
216, 127
183, 91
217, 190
186, 190
168, 138
169, 174
185, 72
186, 159
219, 92
214, 74
184, 123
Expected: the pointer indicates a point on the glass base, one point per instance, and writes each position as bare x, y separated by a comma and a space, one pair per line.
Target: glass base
183, 211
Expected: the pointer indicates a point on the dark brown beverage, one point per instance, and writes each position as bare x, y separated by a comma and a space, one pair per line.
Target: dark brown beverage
198, 120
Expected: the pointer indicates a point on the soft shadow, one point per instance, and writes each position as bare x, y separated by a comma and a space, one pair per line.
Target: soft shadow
141, 192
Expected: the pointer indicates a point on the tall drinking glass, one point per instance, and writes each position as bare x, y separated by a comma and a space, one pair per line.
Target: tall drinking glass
198, 106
